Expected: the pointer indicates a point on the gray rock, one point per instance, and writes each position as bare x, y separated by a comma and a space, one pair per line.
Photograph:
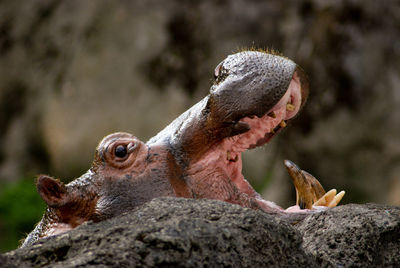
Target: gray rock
173, 232
4, 261
354, 235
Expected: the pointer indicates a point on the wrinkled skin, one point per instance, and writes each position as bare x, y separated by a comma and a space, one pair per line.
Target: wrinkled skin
197, 156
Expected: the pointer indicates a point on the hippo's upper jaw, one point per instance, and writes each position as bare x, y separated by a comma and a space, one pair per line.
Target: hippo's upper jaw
253, 97
222, 162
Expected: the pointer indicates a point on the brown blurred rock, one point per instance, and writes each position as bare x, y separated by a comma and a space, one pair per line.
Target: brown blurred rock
74, 71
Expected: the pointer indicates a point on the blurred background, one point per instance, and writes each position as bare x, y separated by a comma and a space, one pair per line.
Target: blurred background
74, 71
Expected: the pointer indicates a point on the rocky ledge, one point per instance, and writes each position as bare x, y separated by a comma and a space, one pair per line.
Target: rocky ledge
173, 232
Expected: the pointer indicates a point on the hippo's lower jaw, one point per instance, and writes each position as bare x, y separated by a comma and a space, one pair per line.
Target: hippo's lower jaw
223, 161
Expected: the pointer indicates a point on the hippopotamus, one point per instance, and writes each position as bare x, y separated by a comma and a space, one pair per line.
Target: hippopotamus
254, 95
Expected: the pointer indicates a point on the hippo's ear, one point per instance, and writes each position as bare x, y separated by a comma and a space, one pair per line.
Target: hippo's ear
52, 191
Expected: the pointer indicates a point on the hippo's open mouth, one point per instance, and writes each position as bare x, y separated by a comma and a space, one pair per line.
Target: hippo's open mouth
224, 158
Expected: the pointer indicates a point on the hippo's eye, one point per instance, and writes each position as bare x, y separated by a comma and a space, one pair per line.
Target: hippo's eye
121, 151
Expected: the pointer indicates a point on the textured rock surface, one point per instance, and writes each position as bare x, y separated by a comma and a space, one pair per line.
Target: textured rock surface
172, 232
354, 235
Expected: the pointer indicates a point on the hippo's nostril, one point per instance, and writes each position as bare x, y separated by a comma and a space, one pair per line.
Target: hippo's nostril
217, 70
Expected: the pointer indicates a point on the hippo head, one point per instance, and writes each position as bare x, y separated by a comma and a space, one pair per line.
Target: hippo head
125, 173
197, 156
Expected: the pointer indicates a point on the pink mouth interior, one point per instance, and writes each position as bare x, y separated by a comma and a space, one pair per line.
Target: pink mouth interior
226, 155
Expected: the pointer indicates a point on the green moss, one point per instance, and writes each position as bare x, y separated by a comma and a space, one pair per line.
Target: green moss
20, 209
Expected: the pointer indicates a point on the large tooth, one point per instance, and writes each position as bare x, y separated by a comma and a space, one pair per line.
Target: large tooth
272, 114
282, 124
290, 107
228, 155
